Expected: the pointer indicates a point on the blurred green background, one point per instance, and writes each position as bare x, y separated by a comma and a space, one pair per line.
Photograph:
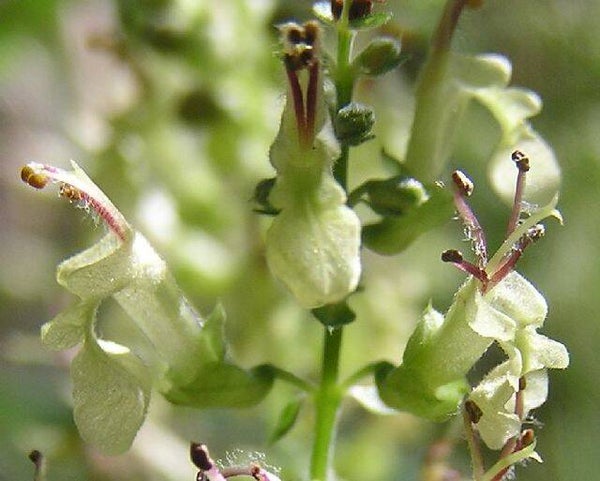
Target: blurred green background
171, 105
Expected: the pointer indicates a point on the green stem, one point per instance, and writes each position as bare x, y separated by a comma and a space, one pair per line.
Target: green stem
344, 86
329, 395
327, 402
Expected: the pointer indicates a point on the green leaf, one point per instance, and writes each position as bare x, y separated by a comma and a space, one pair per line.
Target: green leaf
287, 419
334, 315
68, 328
221, 385
111, 391
394, 234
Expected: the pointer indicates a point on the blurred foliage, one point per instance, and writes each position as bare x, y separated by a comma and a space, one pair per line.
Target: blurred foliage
171, 107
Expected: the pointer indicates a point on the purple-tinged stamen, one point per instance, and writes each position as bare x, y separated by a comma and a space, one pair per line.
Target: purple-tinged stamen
532, 235
522, 163
75, 189
311, 100
473, 230
201, 458
298, 100
455, 258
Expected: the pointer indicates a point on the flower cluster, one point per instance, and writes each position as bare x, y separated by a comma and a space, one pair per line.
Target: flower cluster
496, 304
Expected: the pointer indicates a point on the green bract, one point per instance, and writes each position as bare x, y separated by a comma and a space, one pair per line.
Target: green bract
313, 244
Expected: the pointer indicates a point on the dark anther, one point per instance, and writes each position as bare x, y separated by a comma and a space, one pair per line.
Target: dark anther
358, 9
452, 255
473, 411
521, 160
527, 437
462, 183
200, 457
35, 457
33, 178
522, 384
294, 34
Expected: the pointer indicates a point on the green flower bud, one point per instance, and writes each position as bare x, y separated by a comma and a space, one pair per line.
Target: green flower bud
380, 56
353, 124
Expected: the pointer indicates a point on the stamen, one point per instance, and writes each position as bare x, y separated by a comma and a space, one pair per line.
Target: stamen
298, 101
532, 235
74, 188
300, 53
522, 163
456, 258
311, 100
464, 188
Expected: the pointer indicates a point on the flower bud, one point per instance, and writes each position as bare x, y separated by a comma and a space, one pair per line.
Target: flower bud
380, 56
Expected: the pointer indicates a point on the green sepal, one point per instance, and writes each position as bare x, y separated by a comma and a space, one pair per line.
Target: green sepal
224, 385
334, 315
68, 328
380, 56
111, 392
394, 234
390, 197
431, 381
405, 390
287, 419
371, 21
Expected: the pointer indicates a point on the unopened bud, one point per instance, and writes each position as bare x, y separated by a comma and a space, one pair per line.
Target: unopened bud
353, 123
380, 56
